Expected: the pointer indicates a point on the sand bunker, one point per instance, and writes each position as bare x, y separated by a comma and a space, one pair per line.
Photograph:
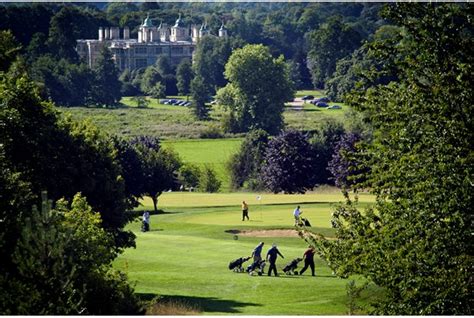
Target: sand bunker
265, 233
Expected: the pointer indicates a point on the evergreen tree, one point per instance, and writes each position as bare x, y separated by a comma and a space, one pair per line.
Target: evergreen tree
106, 89
200, 93
184, 76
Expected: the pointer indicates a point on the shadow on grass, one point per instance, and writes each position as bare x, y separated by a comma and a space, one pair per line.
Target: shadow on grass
206, 304
156, 230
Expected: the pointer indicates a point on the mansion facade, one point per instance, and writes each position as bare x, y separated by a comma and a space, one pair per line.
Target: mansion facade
177, 43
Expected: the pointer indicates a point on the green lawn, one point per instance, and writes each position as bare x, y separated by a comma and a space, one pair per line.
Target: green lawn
213, 152
185, 255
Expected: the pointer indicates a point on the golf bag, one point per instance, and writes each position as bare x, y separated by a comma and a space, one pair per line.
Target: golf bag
256, 268
145, 226
236, 265
290, 268
304, 222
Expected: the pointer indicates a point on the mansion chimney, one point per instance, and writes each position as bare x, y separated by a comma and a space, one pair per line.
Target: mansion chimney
114, 33
126, 33
101, 34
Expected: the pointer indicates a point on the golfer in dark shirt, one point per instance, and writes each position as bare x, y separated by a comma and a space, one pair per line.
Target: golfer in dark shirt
272, 255
308, 260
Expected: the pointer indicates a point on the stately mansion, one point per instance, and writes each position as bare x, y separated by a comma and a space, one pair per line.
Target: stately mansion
176, 42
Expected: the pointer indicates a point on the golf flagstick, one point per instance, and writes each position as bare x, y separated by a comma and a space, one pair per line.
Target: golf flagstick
259, 198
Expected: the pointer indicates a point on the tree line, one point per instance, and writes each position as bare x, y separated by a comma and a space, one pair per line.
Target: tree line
311, 37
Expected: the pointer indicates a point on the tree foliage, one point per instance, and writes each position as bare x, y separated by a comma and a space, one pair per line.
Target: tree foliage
210, 58
60, 258
246, 164
416, 242
258, 87
9, 49
363, 68
159, 167
332, 41
106, 88
69, 24
324, 143
208, 181
184, 76
80, 157
343, 165
289, 164
200, 92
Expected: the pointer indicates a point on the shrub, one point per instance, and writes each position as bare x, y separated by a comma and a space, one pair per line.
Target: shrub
208, 181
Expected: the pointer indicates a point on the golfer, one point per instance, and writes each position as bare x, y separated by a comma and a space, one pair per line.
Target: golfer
245, 211
296, 213
257, 252
272, 255
308, 257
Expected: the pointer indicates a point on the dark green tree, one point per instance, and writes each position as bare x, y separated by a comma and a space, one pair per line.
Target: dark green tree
331, 42
69, 24
26, 20
106, 87
65, 83
184, 76
159, 168
189, 175
324, 144
210, 58
9, 49
150, 78
245, 165
357, 71
200, 93
80, 157
62, 257
208, 181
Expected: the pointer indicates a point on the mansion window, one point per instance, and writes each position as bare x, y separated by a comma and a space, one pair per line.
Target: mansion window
140, 63
177, 50
140, 50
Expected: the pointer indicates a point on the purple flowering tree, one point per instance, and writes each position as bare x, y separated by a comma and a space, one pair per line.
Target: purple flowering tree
289, 163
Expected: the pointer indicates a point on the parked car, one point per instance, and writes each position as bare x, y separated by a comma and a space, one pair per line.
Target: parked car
307, 97
322, 99
334, 107
321, 104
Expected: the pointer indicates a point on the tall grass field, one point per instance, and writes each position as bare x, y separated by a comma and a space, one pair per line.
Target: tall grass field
176, 122
184, 258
